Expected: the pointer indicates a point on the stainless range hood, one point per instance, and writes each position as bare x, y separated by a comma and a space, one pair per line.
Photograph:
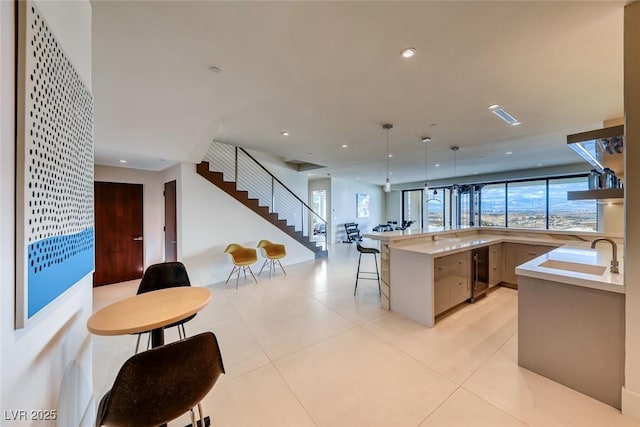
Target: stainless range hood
601, 148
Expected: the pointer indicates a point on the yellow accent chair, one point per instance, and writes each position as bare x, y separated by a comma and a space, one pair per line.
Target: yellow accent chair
243, 258
273, 253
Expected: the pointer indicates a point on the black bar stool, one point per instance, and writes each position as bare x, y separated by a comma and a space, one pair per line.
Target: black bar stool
373, 251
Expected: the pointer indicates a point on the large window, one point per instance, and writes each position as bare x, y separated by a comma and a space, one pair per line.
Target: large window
412, 205
527, 204
577, 215
435, 208
493, 212
539, 204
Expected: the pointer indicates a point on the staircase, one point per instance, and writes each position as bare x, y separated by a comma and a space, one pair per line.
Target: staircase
239, 174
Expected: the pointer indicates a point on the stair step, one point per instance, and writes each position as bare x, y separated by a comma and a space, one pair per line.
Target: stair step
229, 187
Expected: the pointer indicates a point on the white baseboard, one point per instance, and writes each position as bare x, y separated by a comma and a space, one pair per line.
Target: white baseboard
630, 404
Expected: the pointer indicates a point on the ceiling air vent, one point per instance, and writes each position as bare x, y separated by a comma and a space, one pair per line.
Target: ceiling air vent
500, 112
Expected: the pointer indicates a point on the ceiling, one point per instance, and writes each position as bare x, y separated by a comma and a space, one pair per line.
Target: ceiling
331, 73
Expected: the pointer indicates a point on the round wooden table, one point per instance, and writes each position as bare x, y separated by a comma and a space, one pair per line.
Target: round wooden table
150, 311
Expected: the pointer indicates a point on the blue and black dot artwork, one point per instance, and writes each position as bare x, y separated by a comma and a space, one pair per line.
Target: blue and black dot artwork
58, 233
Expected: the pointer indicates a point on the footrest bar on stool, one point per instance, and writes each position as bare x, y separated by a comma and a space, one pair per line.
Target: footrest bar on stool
207, 422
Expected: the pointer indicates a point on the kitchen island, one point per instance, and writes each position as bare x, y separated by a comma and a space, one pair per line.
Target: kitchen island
571, 307
408, 256
571, 320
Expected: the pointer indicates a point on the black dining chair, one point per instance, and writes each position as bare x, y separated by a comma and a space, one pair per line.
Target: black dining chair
158, 385
365, 250
162, 276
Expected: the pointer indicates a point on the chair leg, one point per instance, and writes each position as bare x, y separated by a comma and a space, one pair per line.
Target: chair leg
263, 265
254, 277
270, 268
201, 413
232, 271
138, 343
238, 277
193, 418
375, 259
280, 264
184, 331
357, 274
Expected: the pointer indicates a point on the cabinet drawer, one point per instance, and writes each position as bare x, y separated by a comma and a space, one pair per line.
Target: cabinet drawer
441, 297
459, 291
440, 270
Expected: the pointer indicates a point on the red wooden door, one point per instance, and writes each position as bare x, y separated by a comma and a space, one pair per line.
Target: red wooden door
119, 238
170, 228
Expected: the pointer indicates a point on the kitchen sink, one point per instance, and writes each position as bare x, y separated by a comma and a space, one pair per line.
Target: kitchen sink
576, 267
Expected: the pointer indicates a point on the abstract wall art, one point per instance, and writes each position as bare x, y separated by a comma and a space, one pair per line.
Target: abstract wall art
54, 169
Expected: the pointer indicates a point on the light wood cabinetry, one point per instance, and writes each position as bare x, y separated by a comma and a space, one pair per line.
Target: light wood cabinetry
452, 280
519, 253
496, 263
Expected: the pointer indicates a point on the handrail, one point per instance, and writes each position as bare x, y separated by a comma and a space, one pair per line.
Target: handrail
238, 165
280, 182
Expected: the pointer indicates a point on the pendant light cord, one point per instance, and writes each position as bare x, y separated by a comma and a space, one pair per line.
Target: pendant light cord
387, 154
426, 163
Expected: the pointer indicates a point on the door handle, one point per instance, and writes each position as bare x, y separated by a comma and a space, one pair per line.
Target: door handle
138, 239
174, 241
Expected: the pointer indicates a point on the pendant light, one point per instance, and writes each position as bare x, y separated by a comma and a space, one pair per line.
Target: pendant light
387, 183
426, 140
454, 188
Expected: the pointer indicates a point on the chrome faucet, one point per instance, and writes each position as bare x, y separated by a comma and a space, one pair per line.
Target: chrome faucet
614, 260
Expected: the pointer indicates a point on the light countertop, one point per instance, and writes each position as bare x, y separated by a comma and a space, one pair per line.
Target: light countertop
451, 245
580, 258
416, 233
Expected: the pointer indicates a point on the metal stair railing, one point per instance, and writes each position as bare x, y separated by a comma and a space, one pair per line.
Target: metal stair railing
237, 165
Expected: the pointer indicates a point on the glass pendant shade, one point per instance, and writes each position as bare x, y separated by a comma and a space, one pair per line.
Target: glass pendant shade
387, 186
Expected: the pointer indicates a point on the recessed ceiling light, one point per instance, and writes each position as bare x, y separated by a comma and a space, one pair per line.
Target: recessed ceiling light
493, 107
516, 123
344, 146
285, 133
408, 52
539, 164
475, 173
426, 139
508, 153
123, 161
390, 155
437, 165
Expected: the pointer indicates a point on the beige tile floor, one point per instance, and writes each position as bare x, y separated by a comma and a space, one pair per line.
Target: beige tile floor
301, 350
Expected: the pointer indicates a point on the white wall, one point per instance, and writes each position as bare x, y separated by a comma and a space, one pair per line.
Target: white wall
203, 211
343, 206
210, 219
153, 205
631, 390
46, 365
